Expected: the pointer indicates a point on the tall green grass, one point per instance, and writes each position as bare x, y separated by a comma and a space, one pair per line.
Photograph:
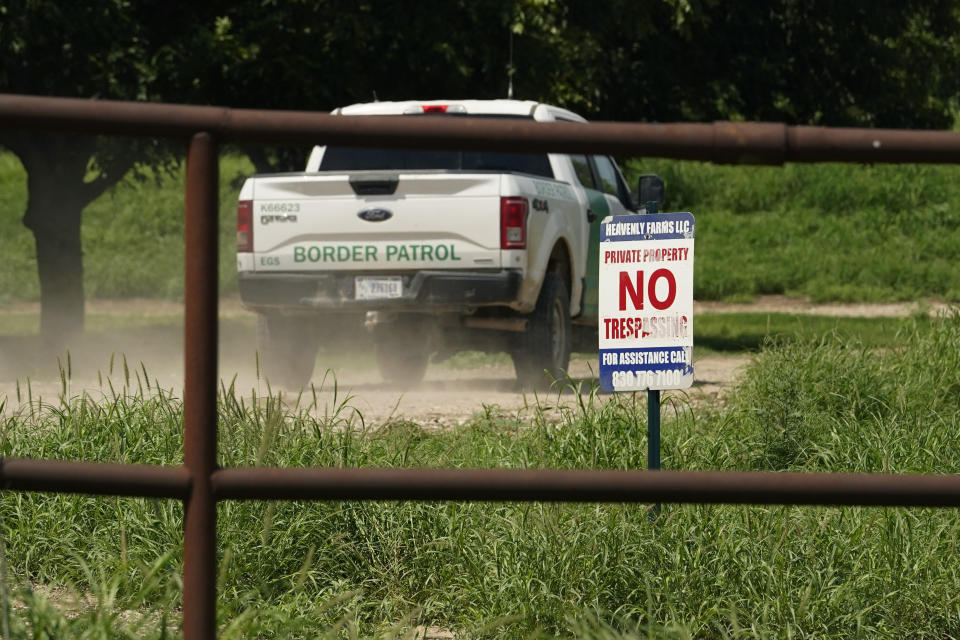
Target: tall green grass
506, 570
739, 332
826, 231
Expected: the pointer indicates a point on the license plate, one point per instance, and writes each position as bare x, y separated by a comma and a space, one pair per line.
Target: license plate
370, 288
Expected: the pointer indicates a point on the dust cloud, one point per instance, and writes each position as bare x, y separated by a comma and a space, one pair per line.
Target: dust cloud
148, 336
130, 340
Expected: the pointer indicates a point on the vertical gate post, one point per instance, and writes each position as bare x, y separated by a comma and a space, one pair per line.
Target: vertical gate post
200, 388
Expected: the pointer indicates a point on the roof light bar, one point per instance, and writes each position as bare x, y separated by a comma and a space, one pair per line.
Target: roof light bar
432, 109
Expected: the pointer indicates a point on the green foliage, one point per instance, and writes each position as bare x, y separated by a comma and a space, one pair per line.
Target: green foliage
113, 49
891, 64
140, 239
509, 570
897, 190
834, 404
18, 277
751, 331
132, 235
829, 232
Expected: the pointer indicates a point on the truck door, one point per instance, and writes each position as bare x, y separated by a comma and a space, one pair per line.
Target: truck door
595, 208
606, 194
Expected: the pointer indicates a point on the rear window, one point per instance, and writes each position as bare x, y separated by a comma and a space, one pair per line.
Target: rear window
358, 159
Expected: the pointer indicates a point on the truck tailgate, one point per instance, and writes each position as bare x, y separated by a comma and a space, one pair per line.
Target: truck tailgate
432, 220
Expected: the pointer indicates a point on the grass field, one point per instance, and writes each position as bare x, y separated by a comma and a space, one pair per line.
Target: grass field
132, 236
828, 232
825, 231
822, 394
507, 570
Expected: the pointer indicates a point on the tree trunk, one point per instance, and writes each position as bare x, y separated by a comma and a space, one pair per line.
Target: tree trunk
58, 189
54, 215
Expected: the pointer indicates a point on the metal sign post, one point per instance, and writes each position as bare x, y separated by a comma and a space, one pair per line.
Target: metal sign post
653, 412
646, 310
653, 440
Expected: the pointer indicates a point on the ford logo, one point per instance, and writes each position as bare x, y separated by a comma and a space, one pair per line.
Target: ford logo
375, 215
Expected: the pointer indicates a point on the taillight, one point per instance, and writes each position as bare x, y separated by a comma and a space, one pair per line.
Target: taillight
434, 108
513, 223
245, 226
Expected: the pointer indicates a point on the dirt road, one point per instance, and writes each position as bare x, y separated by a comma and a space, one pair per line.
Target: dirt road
451, 394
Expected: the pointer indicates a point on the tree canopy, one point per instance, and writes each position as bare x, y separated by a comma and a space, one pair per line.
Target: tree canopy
115, 49
885, 63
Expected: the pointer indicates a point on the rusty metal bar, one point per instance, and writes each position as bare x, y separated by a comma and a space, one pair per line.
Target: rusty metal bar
726, 142
487, 484
201, 485
95, 478
200, 388
110, 117
860, 489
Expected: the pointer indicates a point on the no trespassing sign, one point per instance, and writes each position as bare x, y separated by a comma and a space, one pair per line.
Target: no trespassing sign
646, 302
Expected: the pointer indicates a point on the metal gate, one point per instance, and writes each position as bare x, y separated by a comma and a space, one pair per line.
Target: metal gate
200, 482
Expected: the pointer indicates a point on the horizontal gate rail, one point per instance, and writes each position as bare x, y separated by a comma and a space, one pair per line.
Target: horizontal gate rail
726, 142
514, 485
95, 478
501, 485
200, 484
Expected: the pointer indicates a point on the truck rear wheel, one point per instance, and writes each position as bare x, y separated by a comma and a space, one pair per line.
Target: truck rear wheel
541, 355
403, 349
288, 349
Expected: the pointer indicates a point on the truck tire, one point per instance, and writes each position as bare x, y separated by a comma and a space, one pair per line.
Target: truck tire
287, 346
403, 350
541, 355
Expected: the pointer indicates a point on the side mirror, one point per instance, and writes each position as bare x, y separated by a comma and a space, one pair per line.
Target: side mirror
650, 189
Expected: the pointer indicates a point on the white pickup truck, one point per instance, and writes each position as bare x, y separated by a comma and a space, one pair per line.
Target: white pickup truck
428, 252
